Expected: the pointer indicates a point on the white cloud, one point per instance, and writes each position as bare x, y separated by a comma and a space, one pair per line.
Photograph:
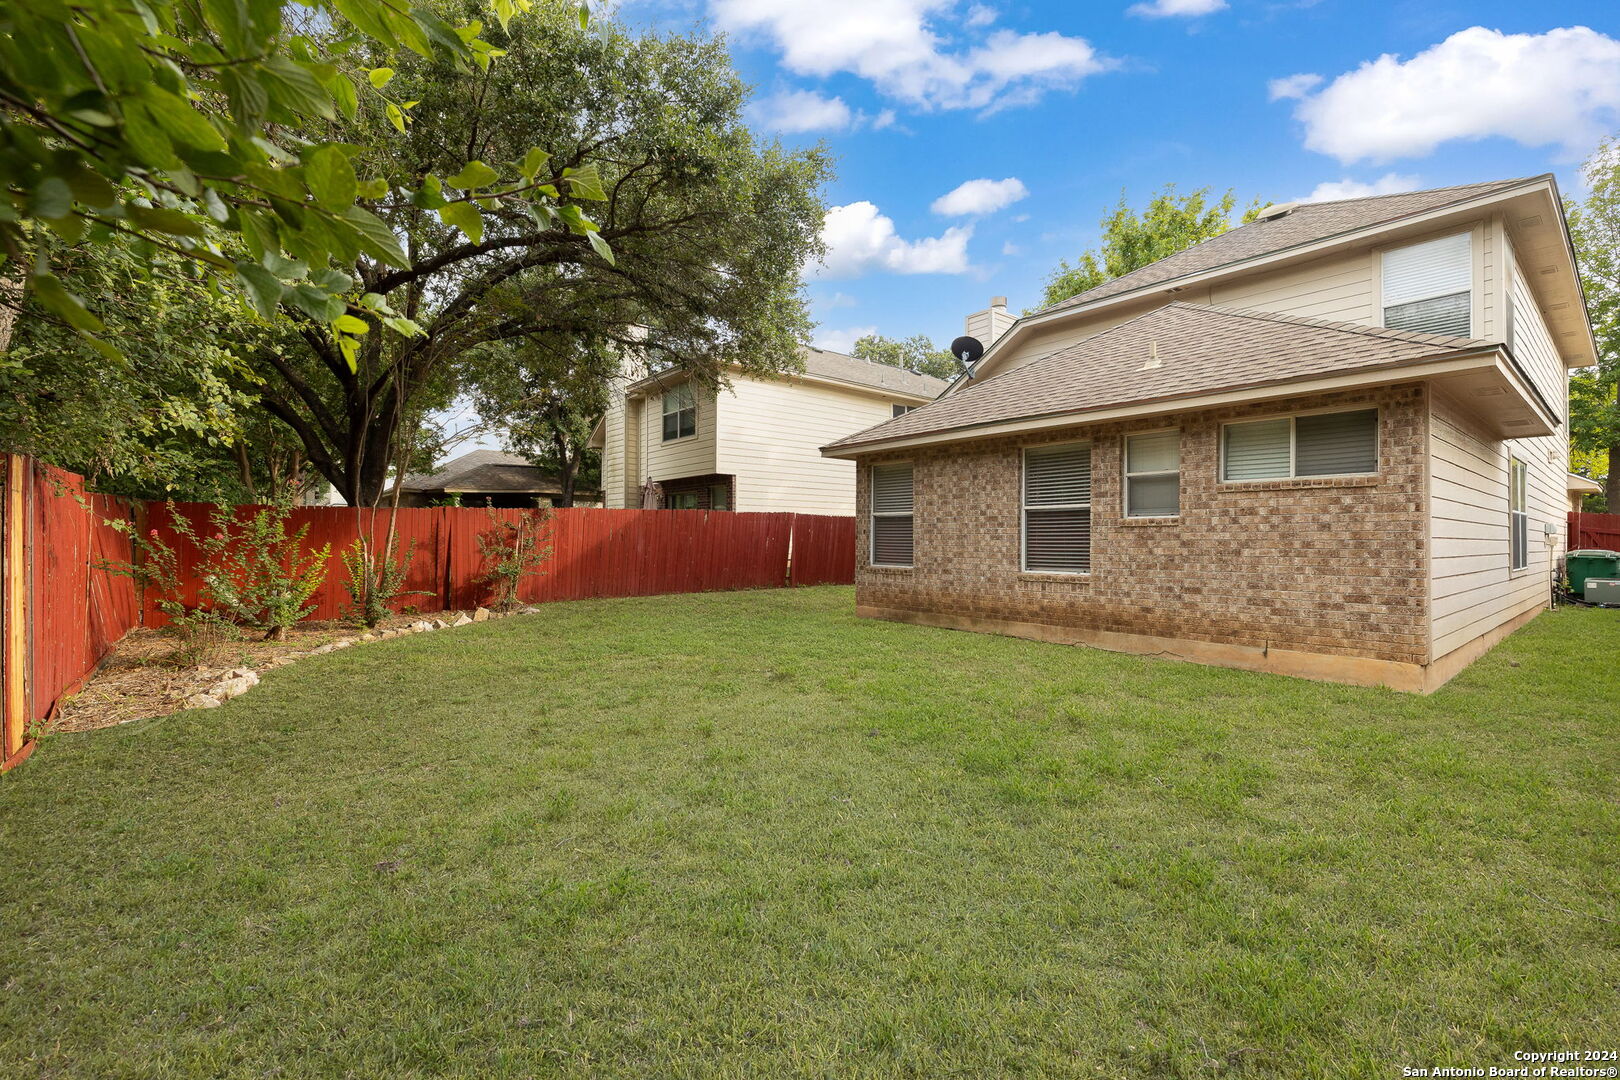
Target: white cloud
1010, 248
1292, 86
842, 341
1388, 184
893, 44
979, 15
1160, 9
1561, 87
859, 239
980, 197
801, 110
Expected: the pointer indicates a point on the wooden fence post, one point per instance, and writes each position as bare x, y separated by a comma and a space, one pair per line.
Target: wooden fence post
15, 556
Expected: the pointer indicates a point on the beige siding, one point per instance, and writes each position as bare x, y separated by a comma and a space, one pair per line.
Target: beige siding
771, 434
618, 468
1339, 288
1472, 589
691, 456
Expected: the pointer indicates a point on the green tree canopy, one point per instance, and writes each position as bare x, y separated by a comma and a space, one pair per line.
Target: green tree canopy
171, 125
1132, 239
916, 353
1594, 406
708, 228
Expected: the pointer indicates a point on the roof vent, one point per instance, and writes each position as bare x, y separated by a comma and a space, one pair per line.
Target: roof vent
1277, 210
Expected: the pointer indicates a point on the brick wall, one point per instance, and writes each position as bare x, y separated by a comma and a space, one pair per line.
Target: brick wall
1334, 566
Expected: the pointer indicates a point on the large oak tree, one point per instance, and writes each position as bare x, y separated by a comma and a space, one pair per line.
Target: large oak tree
708, 229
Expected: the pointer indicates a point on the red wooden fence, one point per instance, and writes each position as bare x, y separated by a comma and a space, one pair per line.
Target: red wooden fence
64, 613
1594, 531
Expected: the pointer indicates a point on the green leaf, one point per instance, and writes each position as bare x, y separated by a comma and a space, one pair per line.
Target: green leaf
600, 246
403, 327
375, 188
474, 175
263, 288
52, 198
504, 10
344, 93
180, 121
430, 195
146, 140
319, 305
584, 16
396, 117
376, 239
331, 178
349, 348
465, 217
159, 219
585, 183
332, 280
380, 77
533, 162
350, 324
293, 86
50, 292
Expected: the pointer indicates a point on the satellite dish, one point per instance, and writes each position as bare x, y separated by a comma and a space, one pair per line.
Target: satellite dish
967, 349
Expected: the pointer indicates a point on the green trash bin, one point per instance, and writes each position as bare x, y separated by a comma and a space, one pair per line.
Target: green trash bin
1590, 563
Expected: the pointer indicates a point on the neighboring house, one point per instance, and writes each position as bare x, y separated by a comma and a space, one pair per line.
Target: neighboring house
669, 442
1579, 488
1329, 443
490, 478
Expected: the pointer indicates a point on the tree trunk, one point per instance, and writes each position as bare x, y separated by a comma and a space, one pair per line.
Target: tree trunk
1611, 484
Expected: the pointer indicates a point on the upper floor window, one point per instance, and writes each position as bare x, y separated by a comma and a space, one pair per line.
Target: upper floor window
1316, 444
1429, 286
891, 514
1057, 508
680, 413
901, 410
1153, 474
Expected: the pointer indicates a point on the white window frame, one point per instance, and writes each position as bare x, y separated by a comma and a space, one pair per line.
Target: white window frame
1473, 278
897, 410
1293, 445
1024, 508
667, 411
1518, 511
1125, 469
872, 515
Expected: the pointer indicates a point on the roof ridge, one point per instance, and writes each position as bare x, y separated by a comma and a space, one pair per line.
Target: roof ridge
1138, 278
1418, 191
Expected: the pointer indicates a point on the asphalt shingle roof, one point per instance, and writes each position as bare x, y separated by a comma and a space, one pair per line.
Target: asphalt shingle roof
1179, 350
850, 369
484, 470
1305, 224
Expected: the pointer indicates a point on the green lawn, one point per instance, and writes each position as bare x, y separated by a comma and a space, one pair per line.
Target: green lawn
749, 835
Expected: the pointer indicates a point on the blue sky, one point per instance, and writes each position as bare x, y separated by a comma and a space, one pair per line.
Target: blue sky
1056, 107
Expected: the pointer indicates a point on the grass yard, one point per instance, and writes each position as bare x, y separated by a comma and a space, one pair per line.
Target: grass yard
749, 835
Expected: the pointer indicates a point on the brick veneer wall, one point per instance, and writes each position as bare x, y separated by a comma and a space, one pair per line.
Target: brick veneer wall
1334, 566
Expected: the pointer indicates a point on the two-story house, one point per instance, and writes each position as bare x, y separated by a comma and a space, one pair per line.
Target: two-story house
669, 442
1329, 443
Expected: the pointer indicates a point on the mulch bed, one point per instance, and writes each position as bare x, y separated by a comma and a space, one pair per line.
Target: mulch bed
140, 677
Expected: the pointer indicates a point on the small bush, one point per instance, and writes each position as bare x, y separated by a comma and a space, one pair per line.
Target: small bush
513, 551
374, 581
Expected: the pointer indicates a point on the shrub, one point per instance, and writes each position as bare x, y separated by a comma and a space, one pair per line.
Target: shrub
374, 581
513, 551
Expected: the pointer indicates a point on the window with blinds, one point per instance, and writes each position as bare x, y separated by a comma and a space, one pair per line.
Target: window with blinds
1153, 474
892, 514
1518, 515
1317, 444
680, 413
1057, 508
1429, 286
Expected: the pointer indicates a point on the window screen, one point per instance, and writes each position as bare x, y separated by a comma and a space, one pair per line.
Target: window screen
1153, 474
1057, 508
1318, 444
892, 515
1429, 286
